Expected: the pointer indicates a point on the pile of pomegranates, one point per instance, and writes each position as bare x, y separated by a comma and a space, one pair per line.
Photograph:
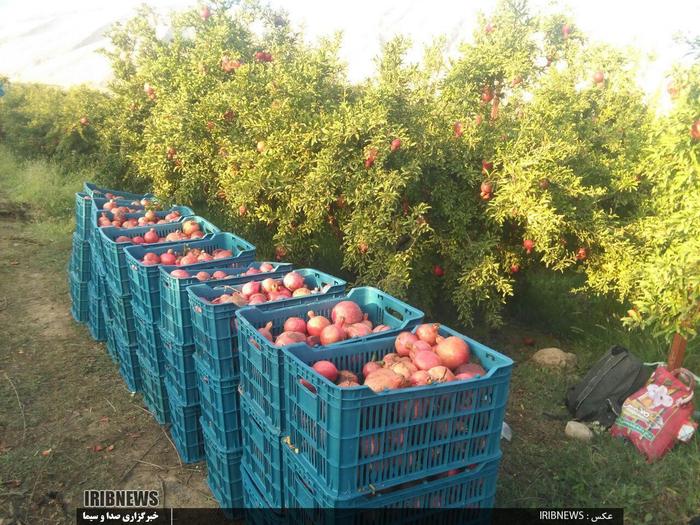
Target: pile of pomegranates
190, 230
267, 290
190, 256
347, 321
119, 219
422, 357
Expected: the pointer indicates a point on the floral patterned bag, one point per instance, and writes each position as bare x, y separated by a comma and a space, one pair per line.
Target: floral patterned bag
658, 414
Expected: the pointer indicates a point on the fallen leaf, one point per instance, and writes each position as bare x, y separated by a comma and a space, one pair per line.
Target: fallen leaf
14, 483
46, 452
97, 448
110, 448
104, 419
14, 263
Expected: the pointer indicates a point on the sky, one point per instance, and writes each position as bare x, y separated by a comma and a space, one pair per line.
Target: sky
56, 42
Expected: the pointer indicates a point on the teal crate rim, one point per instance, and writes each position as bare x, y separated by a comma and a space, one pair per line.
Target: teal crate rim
91, 189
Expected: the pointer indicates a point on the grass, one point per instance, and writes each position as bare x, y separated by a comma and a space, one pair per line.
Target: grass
63, 379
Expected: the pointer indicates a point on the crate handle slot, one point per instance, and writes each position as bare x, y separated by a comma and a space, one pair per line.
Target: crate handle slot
306, 496
394, 313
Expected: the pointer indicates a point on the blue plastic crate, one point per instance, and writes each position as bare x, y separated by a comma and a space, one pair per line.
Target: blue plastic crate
214, 326
150, 313
150, 344
473, 487
129, 366
94, 190
154, 393
356, 440
261, 361
185, 428
175, 318
97, 207
253, 498
85, 207
145, 279
224, 472
112, 350
80, 302
96, 212
113, 252
220, 403
262, 454
80, 258
180, 372
96, 320
122, 314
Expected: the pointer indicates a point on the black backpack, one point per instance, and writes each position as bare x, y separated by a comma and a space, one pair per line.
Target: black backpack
600, 394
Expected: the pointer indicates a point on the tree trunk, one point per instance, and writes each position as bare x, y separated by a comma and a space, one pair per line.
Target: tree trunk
677, 352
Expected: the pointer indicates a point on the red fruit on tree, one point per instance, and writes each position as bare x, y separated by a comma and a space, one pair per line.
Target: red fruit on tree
242, 210
438, 271
171, 152
458, 129
486, 95
514, 268
371, 157
210, 125
565, 30
544, 184
581, 254
672, 89
478, 120
494, 110
488, 28
229, 115
280, 252
486, 187
529, 245
363, 247
84, 121
263, 56
598, 77
517, 80
205, 13
695, 130
395, 145
486, 166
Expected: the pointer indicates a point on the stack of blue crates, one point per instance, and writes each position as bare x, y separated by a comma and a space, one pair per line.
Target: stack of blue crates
177, 340
108, 316
231, 440
262, 378
171, 358
275, 433
427, 447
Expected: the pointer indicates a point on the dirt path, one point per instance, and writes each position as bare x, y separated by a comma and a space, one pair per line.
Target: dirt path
61, 396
